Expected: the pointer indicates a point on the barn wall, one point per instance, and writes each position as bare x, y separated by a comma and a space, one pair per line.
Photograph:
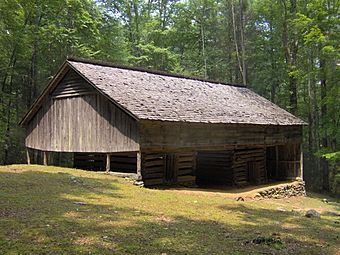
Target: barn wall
168, 168
78, 120
172, 135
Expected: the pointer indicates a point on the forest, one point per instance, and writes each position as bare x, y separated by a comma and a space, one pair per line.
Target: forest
285, 50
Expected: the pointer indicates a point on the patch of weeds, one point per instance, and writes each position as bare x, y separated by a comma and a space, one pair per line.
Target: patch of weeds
271, 241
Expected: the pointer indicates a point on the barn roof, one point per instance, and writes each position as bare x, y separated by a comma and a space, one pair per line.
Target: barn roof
154, 96
150, 95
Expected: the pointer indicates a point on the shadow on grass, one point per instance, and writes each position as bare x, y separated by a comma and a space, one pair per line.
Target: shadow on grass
329, 197
39, 216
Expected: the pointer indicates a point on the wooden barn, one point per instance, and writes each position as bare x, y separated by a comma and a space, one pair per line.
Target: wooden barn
162, 128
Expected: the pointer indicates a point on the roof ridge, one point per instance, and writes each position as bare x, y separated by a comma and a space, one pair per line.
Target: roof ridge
151, 71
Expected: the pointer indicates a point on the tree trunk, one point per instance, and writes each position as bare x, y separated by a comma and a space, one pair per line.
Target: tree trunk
235, 39
243, 47
290, 45
324, 140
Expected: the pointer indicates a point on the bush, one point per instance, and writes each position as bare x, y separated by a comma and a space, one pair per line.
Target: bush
334, 172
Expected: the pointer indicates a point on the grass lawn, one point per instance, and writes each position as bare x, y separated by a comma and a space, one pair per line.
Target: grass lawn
52, 210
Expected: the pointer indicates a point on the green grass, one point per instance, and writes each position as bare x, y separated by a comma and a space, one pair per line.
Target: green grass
38, 216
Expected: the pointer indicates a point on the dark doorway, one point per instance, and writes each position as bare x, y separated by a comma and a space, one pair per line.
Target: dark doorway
123, 162
214, 167
283, 162
170, 175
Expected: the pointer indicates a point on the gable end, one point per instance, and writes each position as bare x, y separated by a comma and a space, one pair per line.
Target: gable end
72, 85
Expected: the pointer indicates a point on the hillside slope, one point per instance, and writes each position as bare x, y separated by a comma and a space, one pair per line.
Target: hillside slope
52, 210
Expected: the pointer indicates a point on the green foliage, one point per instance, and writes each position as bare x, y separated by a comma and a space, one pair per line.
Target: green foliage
154, 57
333, 156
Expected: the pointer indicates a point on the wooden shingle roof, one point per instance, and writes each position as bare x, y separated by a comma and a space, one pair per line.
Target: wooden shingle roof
155, 96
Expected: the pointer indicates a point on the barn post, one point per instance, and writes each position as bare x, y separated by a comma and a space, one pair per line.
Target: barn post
276, 161
45, 158
265, 164
301, 162
108, 163
28, 156
139, 165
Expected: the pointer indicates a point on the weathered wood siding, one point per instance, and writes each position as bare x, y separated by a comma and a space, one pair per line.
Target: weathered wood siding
72, 85
284, 162
168, 168
172, 135
249, 166
80, 121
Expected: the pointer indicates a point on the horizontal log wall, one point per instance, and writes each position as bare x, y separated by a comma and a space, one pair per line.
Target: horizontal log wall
173, 135
84, 123
168, 168
249, 166
153, 168
185, 165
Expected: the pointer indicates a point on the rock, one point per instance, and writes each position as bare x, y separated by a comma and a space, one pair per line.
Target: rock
281, 209
108, 238
79, 203
239, 199
312, 214
257, 196
139, 183
330, 213
284, 191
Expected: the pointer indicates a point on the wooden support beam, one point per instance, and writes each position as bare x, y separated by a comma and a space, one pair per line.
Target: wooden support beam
139, 165
28, 156
45, 158
301, 162
276, 161
108, 162
265, 164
